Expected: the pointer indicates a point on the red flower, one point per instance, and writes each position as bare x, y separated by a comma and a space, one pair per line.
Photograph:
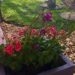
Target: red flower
18, 45
21, 32
34, 32
9, 49
52, 31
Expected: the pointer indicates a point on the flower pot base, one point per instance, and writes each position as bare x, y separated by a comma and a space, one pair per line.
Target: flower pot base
65, 68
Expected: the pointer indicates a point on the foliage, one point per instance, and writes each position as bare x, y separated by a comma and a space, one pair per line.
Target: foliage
23, 12
32, 46
20, 12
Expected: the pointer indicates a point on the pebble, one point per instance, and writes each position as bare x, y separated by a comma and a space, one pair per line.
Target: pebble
70, 47
68, 39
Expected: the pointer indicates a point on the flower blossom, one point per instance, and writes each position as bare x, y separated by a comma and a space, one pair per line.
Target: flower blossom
23, 30
47, 16
51, 31
18, 45
9, 49
34, 32
42, 32
15, 46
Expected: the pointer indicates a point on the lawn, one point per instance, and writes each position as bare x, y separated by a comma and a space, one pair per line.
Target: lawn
20, 11
23, 12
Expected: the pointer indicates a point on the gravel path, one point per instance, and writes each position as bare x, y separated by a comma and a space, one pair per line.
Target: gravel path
70, 47
9, 29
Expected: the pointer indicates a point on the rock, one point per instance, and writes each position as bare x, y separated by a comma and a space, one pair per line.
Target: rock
69, 3
68, 39
70, 47
68, 15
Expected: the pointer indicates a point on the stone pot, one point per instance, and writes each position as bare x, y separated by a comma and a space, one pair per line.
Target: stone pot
65, 69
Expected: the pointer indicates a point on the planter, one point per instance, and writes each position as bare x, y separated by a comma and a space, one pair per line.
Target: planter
65, 69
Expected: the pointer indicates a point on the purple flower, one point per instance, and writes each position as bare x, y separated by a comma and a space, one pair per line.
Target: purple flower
47, 16
42, 32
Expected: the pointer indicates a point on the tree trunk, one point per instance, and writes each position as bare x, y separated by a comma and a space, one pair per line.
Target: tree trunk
52, 4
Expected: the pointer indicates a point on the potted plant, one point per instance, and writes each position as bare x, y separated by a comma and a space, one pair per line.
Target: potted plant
34, 52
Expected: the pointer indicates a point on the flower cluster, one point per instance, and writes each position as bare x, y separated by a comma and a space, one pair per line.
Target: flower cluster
49, 31
31, 46
12, 47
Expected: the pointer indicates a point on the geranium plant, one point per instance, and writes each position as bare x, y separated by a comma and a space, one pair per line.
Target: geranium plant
31, 46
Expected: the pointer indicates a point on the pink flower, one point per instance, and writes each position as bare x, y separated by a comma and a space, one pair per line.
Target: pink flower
15, 36
51, 31
21, 32
34, 32
9, 49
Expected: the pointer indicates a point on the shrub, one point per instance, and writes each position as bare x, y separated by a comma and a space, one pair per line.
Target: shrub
31, 46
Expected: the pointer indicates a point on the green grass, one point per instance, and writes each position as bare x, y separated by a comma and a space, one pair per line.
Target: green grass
23, 12
20, 11
61, 23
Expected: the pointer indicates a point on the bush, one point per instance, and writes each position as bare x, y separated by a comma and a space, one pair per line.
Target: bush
31, 46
